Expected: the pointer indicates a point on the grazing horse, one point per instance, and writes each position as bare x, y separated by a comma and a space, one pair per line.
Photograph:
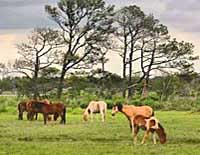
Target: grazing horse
57, 109
130, 111
95, 107
149, 124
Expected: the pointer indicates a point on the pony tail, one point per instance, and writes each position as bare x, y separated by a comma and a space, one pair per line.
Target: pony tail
64, 115
161, 134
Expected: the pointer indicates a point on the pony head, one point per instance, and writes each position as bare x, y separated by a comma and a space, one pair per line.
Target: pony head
86, 114
116, 108
161, 134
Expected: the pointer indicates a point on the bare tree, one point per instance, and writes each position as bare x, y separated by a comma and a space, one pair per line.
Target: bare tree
39, 53
130, 24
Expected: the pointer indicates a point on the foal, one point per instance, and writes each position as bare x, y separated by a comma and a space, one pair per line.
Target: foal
95, 107
149, 125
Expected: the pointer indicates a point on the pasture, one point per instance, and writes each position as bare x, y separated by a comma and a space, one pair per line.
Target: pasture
112, 137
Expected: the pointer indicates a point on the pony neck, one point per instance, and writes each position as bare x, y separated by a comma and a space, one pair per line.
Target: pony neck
126, 110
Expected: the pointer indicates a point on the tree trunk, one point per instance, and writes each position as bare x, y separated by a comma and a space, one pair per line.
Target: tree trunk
130, 89
60, 84
35, 79
124, 63
145, 89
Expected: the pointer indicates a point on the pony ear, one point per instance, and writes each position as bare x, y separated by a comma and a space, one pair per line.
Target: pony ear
89, 111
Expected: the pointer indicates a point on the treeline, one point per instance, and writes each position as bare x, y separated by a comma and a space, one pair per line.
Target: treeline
61, 61
169, 92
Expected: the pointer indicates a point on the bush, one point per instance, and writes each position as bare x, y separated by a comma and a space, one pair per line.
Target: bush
8, 104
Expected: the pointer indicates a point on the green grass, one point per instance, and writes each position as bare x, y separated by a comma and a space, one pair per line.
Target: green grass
96, 138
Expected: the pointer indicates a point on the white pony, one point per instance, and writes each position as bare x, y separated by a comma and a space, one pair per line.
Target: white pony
95, 107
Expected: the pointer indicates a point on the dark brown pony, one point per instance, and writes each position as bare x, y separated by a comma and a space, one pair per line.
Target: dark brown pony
21, 109
57, 109
149, 124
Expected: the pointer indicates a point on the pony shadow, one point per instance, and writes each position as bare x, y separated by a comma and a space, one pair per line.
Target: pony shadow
107, 140
26, 139
185, 140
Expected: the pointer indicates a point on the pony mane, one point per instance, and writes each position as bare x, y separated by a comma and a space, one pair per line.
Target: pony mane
119, 106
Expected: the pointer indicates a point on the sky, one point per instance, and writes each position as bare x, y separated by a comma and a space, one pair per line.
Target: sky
19, 17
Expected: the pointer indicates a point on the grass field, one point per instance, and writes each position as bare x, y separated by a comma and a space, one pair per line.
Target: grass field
96, 138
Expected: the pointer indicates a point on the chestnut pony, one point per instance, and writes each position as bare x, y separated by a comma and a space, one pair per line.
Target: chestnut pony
56, 109
130, 111
149, 124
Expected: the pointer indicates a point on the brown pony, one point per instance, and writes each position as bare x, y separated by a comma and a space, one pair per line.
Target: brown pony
149, 125
57, 109
21, 109
130, 111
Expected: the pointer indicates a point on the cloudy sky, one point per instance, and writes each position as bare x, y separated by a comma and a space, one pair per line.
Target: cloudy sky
19, 17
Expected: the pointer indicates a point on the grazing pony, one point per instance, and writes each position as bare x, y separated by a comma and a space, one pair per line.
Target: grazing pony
149, 124
130, 111
95, 107
57, 109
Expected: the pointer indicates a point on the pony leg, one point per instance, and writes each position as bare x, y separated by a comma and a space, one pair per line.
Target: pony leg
154, 137
132, 125
136, 130
45, 118
20, 116
28, 116
36, 116
146, 134
102, 116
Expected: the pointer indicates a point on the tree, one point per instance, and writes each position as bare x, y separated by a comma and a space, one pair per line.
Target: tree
83, 23
146, 42
37, 54
161, 53
130, 23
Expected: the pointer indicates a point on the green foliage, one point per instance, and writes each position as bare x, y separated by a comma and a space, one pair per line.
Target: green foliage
8, 104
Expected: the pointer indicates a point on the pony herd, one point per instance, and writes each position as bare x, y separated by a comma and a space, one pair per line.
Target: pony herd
33, 107
139, 117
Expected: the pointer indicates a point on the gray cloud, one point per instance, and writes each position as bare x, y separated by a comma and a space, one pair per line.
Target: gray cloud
19, 3
23, 14
20, 14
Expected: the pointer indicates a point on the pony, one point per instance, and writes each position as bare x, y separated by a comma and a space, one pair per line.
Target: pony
149, 124
95, 107
21, 109
130, 111
57, 109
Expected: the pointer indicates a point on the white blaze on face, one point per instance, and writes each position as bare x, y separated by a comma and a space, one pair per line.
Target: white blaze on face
114, 110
